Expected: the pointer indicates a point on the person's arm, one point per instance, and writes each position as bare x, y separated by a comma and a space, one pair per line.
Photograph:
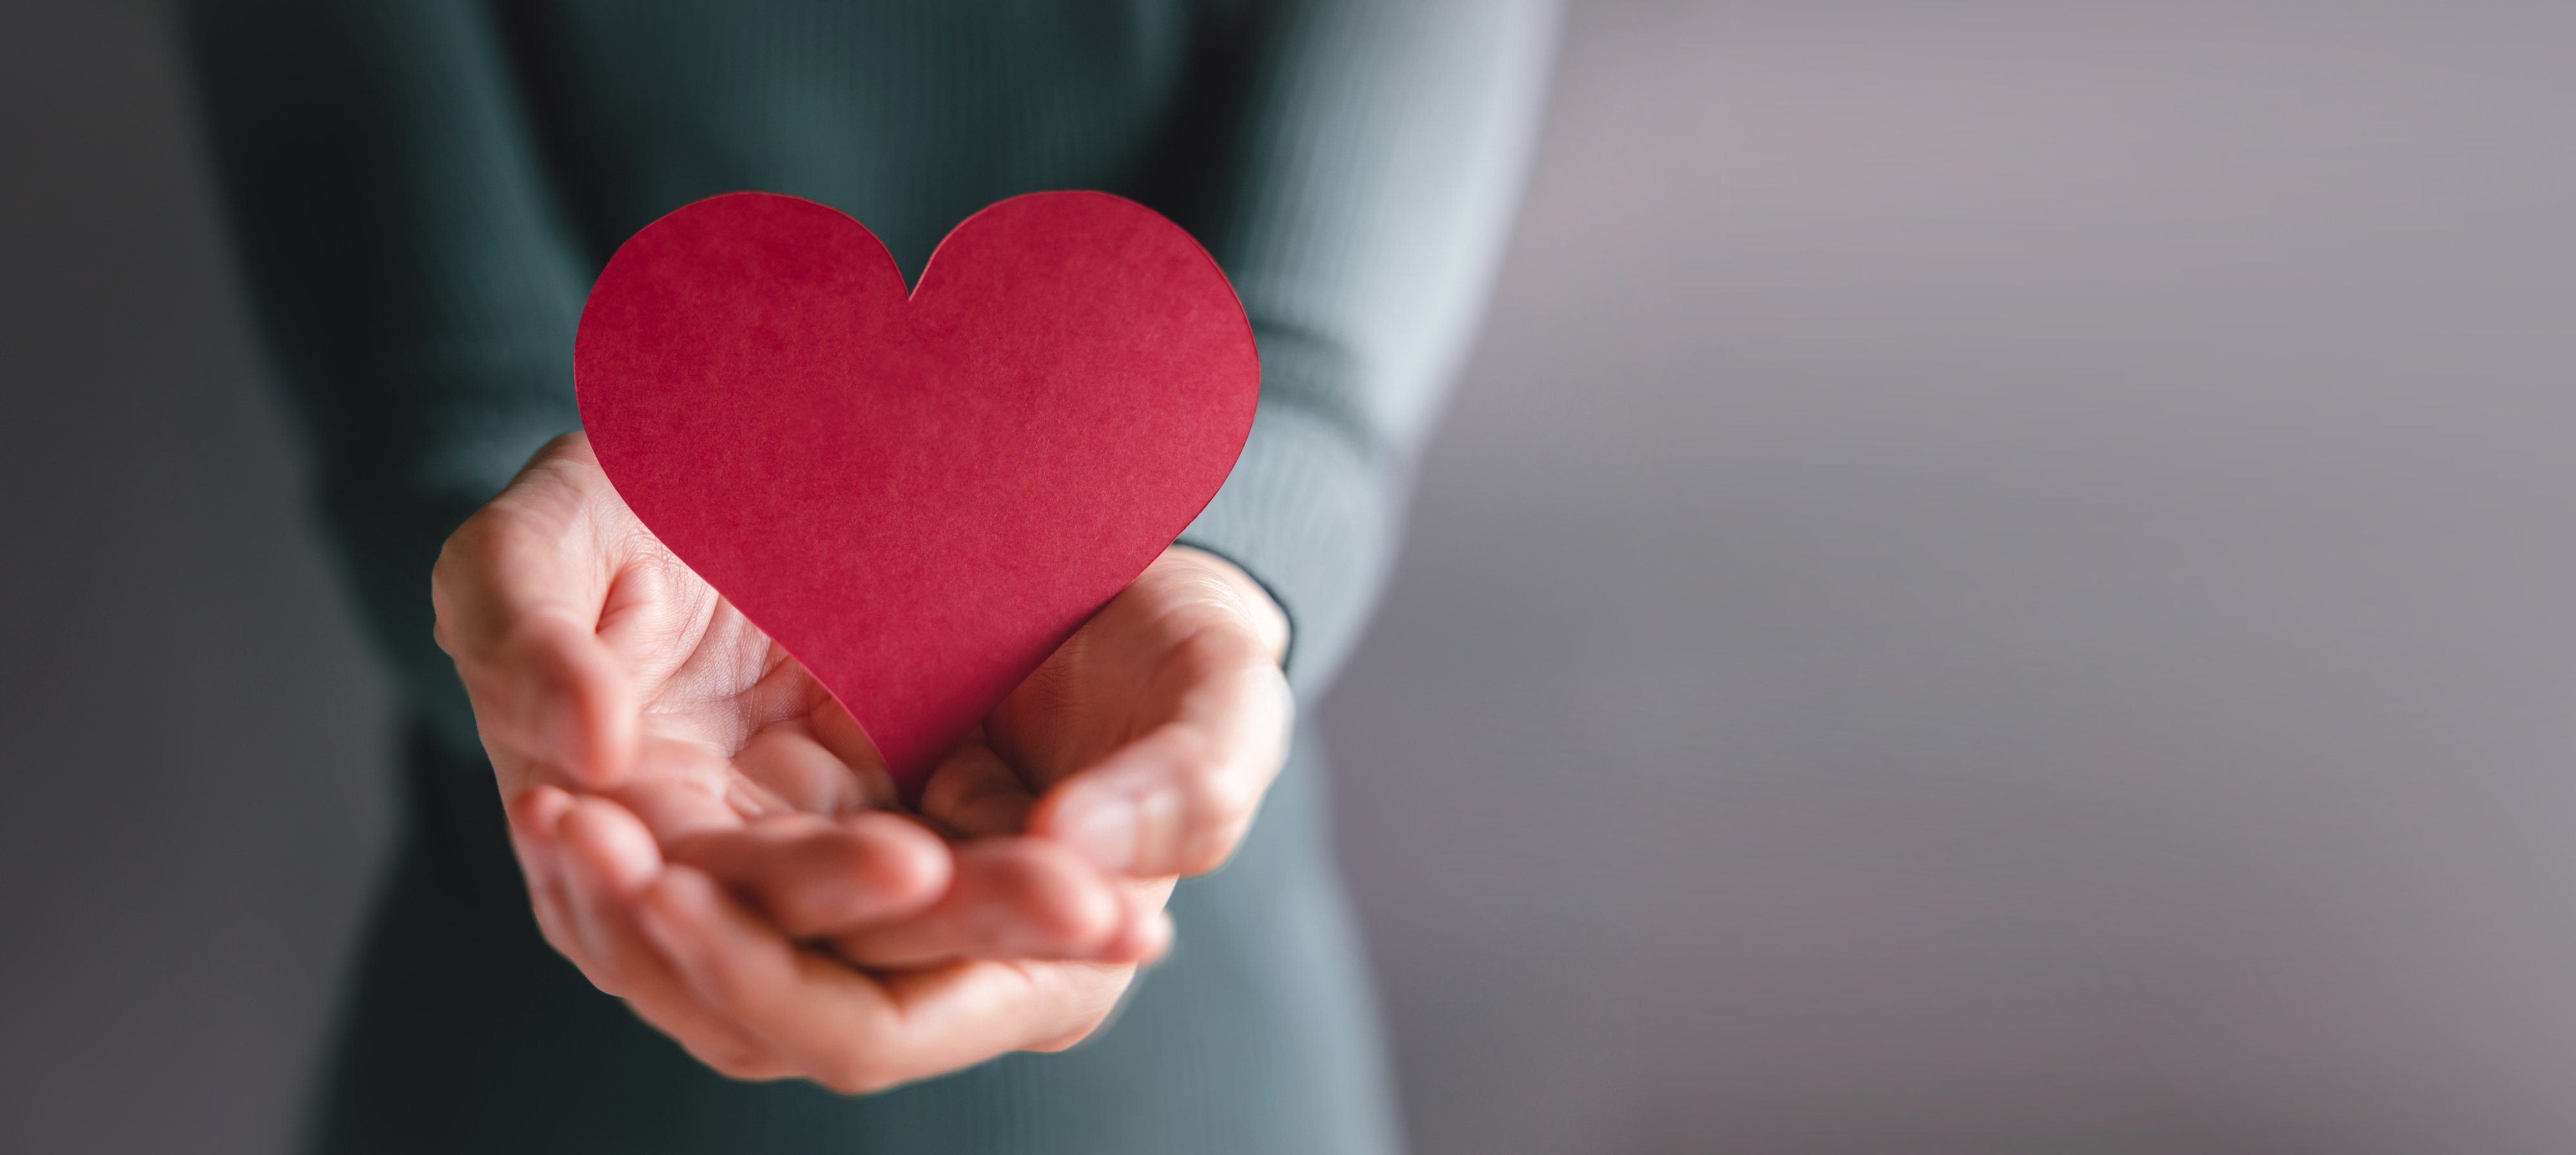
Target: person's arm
1361, 196
422, 297
406, 260
421, 293
1355, 177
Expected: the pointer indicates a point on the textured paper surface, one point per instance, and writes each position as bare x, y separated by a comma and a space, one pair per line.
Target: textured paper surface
918, 495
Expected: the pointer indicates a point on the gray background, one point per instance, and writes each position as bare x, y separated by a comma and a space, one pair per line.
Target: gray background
2002, 580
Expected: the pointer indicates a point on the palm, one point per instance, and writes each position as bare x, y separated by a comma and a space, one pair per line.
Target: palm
715, 723
729, 727
653, 742
1165, 675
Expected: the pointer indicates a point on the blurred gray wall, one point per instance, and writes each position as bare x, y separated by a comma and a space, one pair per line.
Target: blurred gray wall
2003, 580
194, 746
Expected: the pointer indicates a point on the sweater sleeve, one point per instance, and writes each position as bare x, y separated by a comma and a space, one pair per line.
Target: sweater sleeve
419, 280
1362, 196
417, 286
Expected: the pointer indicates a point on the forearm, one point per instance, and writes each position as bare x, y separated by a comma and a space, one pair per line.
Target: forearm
393, 485
397, 238
1360, 205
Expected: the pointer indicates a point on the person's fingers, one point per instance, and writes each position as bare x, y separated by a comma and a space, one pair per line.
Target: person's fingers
847, 741
548, 692
534, 817
568, 886
849, 1031
682, 789
1058, 1003
607, 859
517, 591
865, 880
1016, 898
815, 875
974, 794
1155, 730
1200, 584
793, 763
1178, 799
1147, 936
605, 855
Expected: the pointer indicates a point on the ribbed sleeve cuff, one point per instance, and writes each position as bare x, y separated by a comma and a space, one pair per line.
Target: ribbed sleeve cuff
1307, 514
399, 475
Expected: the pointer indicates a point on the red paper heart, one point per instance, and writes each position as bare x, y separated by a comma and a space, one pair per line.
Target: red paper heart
918, 495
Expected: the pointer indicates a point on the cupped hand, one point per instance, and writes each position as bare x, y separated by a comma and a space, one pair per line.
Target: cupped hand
710, 837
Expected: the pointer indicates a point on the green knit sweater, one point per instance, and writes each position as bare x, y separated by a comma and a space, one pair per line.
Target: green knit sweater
422, 192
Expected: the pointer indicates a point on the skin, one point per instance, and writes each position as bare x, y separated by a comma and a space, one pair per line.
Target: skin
709, 837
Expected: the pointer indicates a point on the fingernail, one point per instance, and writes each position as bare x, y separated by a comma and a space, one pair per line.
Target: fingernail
1105, 833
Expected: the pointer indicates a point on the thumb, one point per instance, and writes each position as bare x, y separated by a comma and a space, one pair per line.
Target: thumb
518, 591
551, 693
